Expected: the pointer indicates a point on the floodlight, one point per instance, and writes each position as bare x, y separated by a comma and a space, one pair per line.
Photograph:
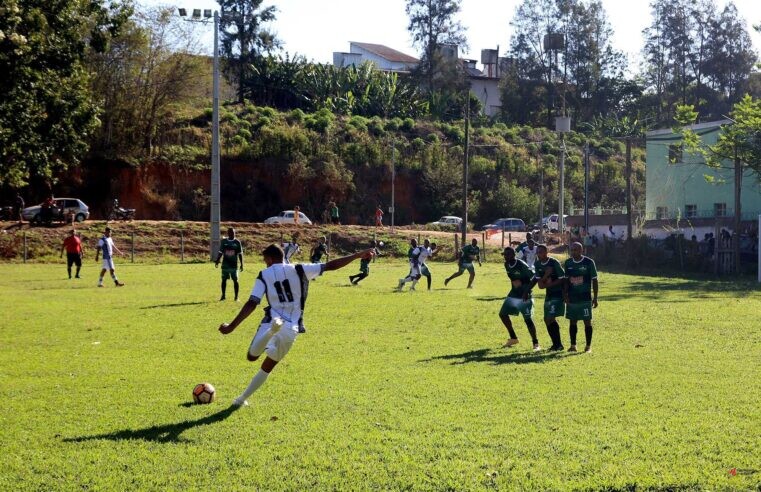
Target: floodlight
183, 12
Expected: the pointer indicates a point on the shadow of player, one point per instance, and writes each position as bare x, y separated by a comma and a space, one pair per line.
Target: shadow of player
158, 433
488, 356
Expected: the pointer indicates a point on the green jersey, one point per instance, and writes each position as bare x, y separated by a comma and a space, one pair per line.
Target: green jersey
469, 254
580, 275
555, 292
230, 249
520, 277
319, 250
334, 212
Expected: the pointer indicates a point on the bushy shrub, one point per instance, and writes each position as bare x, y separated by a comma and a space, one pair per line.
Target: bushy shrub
321, 121
358, 122
376, 126
408, 124
433, 138
393, 124
244, 134
295, 117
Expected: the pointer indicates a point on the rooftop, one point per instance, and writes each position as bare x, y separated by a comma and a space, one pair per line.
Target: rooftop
389, 54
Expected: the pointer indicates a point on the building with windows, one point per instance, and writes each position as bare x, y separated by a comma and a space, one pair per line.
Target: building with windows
680, 186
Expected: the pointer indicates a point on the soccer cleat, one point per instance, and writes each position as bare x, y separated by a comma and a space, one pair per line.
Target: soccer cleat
587, 349
572, 348
100, 285
470, 286
510, 342
400, 285
556, 348
239, 403
77, 276
537, 347
119, 284
277, 323
412, 288
222, 298
446, 281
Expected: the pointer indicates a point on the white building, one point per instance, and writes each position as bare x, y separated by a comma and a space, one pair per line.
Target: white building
383, 57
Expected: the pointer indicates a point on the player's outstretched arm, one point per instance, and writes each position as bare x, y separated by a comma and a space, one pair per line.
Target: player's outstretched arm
245, 312
345, 260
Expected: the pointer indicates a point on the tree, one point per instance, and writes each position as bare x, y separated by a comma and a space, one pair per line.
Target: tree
47, 113
244, 39
432, 23
150, 67
739, 142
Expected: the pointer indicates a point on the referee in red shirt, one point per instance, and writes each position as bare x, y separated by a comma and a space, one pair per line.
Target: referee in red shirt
73, 246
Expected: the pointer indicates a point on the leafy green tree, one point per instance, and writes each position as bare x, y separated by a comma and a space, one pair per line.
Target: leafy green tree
431, 24
244, 37
738, 142
47, 113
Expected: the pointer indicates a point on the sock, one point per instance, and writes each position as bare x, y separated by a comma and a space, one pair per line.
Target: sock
532, 330
256, 382
359, 277
235, 286
573, 329
260, 341
588, 334
428, 278
224, 287
113, 277
69, 270
556, 334
510, 330
414, 283
78, 268
100, 280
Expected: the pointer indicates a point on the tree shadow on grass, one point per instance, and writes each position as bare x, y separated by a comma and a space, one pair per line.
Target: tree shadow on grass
176, 304
159, 433
694, 289
497, 358
490, 298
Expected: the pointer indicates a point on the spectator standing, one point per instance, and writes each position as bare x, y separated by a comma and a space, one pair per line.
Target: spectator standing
296, 212
19, 204
379, 216
334, 217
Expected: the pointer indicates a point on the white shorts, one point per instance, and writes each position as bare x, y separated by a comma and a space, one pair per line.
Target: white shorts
414, 271
108, 264
280, 344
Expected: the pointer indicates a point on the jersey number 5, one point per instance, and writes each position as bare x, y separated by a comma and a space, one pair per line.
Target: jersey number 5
284, 291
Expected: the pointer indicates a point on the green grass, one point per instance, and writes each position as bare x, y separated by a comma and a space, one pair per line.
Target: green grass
385, 391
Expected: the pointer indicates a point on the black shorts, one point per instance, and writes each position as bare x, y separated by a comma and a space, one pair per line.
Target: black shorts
73, 259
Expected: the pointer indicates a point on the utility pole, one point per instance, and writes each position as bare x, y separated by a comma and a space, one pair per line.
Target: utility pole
629, 188
738, 211
215, 172
465, 163
586, 187
393, 183
561, 205
541, 199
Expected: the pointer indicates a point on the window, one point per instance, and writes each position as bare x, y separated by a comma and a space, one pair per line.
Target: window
661, 212
690, 211
720, 209
675, 153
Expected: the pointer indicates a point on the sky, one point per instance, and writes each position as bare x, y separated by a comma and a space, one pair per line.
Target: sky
315, 29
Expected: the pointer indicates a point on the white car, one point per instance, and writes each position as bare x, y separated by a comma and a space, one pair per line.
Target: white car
552, 223
447, 220
288, 217
62, 209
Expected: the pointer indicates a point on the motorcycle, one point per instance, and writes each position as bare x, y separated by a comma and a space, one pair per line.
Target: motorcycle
120, 213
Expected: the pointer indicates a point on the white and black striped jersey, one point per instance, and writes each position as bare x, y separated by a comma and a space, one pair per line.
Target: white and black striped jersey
289, 249
286, 287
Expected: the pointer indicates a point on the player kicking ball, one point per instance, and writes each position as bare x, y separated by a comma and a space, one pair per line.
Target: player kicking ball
518, 300
285, 287
580, 293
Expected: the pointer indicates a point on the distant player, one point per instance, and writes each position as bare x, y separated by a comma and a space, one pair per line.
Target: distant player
364, 265
413, 255
106, 246
518, 300
522, 245
73, 246
230, 252
528, 252
549, 275
320, 249
291, 249
427, 251
286, 288
580, 292
468, 254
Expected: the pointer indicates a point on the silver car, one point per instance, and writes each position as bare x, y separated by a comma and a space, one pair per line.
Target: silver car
62, 208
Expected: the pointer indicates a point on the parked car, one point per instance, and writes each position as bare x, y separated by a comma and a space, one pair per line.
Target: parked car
508, 225
287, 217
63, 208
552, 223
447, 220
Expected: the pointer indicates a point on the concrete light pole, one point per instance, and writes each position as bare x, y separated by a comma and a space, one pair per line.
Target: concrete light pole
215, 218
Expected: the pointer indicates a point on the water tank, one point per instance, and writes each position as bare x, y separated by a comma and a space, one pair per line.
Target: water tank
489, 57
554, 42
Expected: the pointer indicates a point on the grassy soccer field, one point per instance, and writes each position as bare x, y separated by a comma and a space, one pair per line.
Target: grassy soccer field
385, 391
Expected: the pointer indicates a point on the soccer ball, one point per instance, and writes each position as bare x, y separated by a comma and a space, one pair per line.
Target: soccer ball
204, 393
380, 243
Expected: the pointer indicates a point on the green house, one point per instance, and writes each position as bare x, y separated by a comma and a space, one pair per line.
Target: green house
677, 185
